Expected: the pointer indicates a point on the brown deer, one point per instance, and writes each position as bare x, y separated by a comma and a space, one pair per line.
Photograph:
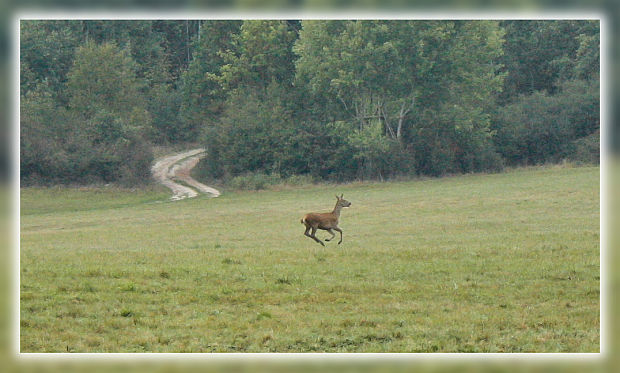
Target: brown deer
325, 221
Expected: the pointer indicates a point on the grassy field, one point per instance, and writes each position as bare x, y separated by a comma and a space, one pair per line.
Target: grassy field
478, 263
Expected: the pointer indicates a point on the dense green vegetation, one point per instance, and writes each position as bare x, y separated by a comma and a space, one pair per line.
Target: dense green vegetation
504, 262
331, 100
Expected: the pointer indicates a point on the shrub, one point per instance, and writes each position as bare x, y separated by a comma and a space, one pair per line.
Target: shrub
254, 181
299, 180
587, 149
541, 128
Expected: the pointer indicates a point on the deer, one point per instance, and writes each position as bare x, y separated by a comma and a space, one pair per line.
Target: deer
325, 221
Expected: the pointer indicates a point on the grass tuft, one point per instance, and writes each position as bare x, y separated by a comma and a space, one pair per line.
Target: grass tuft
164, 274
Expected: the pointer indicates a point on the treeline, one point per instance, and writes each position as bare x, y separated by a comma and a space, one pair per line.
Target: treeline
331, 100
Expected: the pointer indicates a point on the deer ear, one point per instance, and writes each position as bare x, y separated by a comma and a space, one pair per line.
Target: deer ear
337, 197
341, 195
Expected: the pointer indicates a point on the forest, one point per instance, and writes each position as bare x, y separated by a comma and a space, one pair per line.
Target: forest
329, 100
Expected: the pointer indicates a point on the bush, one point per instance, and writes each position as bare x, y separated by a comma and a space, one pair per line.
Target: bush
489, 160
587, 149
137, 157
58, 146
541, 128
254, 181
368, 153
299, 180
100, 136
259, 181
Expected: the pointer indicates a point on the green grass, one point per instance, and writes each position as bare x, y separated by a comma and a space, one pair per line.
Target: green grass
478, 263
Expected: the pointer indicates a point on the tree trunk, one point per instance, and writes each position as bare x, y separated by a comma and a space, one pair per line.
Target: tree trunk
401, 118
389, 128
187, 41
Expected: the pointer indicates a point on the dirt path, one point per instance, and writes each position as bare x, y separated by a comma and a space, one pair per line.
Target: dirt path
177, 167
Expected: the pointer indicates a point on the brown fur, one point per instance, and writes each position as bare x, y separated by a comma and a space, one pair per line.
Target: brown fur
325, 221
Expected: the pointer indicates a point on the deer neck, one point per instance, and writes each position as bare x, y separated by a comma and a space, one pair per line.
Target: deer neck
336, 211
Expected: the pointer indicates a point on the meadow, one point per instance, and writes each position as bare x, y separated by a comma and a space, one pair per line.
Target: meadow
503, 262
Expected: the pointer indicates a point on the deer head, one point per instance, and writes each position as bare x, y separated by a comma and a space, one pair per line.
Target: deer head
342, 202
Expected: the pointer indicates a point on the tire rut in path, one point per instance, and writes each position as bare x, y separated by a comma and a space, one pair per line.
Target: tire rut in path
177, 167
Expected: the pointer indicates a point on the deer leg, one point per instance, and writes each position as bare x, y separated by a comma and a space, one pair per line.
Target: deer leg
311, 235
340, 231
314, 237
332, 233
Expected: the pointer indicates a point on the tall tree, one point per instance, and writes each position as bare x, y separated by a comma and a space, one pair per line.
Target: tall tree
179, 37
46, 138
537, 53
47, 50
103, 76
256, 127
556, 115
107, 101
202, 91
434, 77
261, 54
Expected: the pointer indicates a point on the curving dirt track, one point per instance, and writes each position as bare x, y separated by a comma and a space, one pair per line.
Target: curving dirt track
177, 167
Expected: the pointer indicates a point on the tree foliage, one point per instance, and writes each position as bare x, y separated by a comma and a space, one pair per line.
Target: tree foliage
424, 81
540, 127
332, 100
560, 117
203, 95
100, 136
540, 54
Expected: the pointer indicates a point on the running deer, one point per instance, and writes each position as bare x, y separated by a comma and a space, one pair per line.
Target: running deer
325, 221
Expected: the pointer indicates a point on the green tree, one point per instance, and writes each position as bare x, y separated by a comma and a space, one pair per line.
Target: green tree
541, 128
179, 42
202, 92
261, 53
47, 50
558, 117
104, 77
250, 78
537, 53
46, 137
106, 99
408, 75
588, 56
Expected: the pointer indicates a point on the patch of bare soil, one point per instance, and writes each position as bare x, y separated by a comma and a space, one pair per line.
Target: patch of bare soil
176, 167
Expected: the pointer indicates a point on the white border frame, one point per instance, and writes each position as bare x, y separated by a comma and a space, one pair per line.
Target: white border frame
307, 357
